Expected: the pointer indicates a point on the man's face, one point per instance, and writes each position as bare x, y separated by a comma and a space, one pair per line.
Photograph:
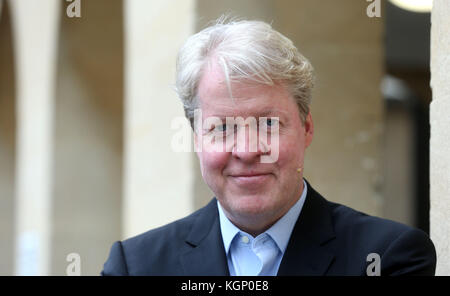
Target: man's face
248, 190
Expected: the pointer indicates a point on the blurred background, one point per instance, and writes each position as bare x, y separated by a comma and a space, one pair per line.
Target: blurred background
87, 103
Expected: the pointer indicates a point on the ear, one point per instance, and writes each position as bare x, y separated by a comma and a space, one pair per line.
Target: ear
309, 130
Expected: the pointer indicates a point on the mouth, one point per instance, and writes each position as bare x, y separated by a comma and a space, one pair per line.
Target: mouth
253, 180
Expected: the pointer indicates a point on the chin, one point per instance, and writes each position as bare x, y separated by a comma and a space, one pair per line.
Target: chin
250, 204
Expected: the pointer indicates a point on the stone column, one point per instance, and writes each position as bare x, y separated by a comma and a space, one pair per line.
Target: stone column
7, 144
440, 134
157, 180
35, 32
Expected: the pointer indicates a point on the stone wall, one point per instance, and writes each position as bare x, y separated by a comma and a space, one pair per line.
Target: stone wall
440, 134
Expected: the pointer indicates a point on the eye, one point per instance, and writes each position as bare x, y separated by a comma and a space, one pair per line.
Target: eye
220, 128
271, 122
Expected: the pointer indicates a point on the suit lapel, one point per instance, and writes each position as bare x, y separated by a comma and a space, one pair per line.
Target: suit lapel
206, 253
309, 251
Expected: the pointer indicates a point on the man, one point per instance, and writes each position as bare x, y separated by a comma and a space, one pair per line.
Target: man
265, 218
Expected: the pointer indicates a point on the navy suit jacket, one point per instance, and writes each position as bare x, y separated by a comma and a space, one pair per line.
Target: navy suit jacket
327, 239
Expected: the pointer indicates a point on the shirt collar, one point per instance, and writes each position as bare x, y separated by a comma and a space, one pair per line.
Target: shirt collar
280, 231
228, 229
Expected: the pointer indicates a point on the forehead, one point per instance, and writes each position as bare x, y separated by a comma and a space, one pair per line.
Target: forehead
246, 97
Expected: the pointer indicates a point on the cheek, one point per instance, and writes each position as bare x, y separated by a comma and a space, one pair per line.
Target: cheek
212, 163
291, 153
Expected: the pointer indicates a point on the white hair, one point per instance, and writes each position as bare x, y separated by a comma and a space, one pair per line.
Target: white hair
245, 50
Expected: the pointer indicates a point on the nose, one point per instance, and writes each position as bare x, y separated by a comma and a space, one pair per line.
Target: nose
247, 146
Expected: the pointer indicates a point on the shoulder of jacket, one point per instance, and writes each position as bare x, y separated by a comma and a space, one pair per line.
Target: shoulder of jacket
170, 233
348, 220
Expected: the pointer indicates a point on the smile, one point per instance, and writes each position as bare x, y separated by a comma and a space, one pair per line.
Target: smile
251, 181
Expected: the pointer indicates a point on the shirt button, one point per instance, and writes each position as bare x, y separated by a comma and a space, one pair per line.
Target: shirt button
245, 239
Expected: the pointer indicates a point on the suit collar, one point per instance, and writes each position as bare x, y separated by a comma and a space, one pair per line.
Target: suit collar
206, 253
309, 251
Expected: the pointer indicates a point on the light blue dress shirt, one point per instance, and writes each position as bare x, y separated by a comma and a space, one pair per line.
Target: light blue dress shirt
261, 255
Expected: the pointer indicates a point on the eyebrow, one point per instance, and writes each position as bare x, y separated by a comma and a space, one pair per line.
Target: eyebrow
267, 112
